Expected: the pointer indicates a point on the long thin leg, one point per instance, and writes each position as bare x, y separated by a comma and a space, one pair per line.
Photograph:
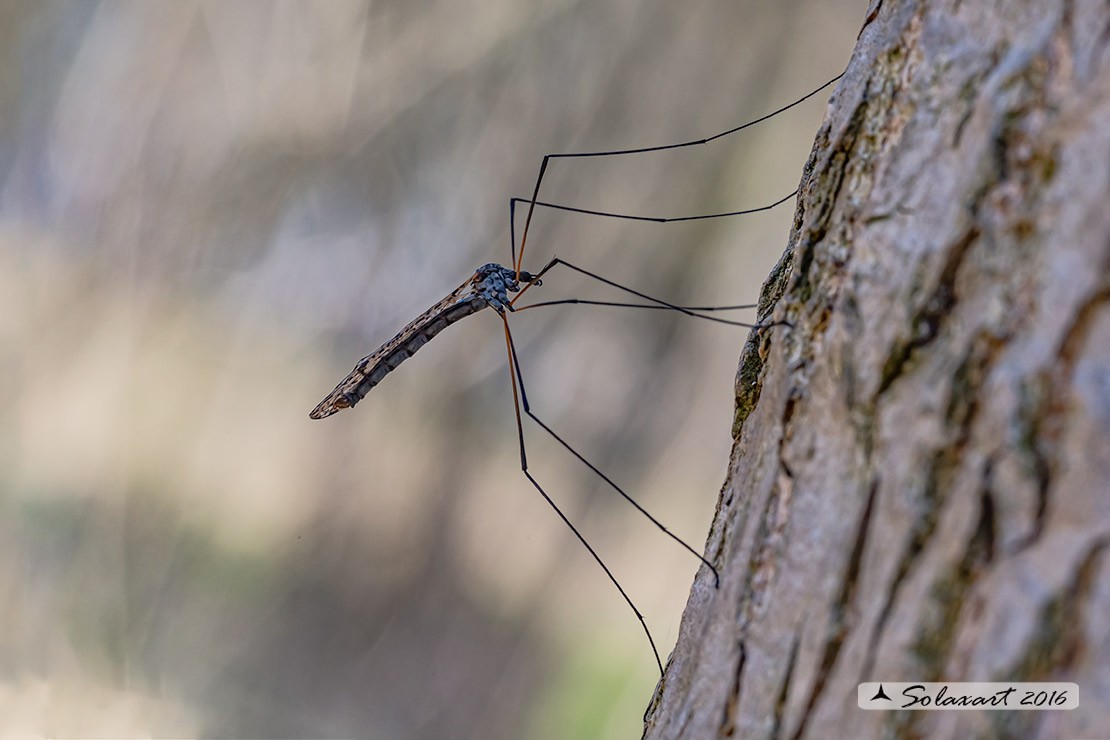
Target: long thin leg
585, 302
516, 406
591, 466
514, 202
659, 302
519, 256
514, 371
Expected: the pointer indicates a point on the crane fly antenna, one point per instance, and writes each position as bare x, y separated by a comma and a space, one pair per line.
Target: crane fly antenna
518, 256
514, 370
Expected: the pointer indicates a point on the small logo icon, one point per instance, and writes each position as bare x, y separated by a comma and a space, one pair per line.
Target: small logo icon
880, 694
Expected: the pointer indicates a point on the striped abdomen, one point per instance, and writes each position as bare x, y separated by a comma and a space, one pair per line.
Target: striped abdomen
488, 286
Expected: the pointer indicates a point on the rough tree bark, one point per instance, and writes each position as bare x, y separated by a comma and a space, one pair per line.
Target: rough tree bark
920, 483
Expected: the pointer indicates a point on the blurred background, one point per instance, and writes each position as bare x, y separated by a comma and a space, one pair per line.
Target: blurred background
209, 211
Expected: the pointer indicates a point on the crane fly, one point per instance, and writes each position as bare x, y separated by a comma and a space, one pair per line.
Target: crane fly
490, 287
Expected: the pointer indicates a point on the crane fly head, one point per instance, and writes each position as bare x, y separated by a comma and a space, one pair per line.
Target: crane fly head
524, 278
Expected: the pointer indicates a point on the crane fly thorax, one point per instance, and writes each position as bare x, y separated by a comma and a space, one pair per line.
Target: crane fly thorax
493, 283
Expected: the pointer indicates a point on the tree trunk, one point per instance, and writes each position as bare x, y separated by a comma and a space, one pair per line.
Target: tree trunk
918, 489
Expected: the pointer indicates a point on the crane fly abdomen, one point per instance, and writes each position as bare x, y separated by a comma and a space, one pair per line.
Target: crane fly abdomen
488, 286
